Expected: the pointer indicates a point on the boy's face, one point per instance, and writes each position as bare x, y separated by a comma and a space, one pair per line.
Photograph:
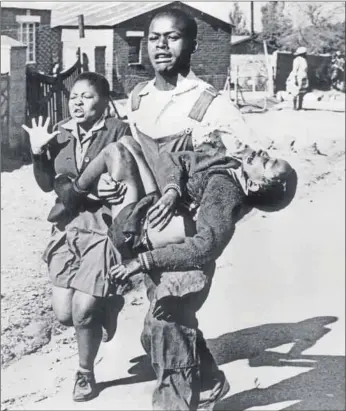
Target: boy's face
169, 47
259, 166
85, 103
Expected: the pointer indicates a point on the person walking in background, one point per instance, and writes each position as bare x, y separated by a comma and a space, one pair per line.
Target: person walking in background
298, 81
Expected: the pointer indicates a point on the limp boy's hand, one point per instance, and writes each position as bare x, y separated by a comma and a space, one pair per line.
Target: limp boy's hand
161, 213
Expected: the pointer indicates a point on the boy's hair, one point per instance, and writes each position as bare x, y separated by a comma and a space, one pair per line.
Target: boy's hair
276, 194
98, 81
189, 22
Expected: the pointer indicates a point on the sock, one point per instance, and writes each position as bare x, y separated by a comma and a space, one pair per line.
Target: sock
85, 371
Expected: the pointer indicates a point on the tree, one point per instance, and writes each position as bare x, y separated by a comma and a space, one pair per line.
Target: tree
239, 20
317, 27
277, 26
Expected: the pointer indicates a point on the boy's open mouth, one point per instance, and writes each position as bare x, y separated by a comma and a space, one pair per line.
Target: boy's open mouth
163, 58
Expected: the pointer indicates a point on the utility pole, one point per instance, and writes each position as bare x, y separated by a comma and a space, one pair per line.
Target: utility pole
252, 29
81, 51
81, 26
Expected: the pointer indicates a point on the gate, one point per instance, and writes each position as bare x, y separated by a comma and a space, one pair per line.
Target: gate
4, 108
47, 95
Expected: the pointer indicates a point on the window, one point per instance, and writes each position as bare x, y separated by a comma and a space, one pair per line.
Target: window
27, 35
134, 40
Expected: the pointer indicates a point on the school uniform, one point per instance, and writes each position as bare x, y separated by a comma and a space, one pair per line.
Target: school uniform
179, 120
79, 253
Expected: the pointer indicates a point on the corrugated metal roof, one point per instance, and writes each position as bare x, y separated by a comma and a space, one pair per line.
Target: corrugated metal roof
107, 14
33, 5
101, 14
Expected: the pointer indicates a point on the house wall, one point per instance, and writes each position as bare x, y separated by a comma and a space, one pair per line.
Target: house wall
94, 37
249, 58
252, 70
48, 45
210, 62
248, 47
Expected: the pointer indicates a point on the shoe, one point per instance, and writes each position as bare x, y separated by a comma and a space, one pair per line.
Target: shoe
112, 308
85, 387
220, 390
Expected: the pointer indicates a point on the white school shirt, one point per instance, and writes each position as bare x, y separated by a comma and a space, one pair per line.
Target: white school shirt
163, 113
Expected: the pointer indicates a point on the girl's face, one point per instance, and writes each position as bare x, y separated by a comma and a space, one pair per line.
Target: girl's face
169, 48
85, 104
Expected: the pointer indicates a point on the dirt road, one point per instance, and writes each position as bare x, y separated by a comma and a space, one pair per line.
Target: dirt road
275, 317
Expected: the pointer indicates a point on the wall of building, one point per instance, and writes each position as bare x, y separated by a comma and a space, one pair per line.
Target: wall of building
251, 70
48, 46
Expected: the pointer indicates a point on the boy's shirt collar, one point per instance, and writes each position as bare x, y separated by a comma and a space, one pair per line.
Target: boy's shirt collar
184, 84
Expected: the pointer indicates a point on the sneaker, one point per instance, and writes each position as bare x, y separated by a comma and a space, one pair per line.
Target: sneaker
220, 390
85, 387
112, 308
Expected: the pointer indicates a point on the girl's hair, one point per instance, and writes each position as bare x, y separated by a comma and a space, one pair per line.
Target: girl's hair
98, 81
190, 25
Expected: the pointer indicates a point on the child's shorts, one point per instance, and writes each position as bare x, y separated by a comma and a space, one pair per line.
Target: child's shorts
81, 255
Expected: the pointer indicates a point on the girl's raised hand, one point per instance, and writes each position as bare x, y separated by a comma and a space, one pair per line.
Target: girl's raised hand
39, 135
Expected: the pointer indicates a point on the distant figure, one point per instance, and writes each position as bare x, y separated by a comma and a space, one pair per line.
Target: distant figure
85, 62
56, 69
337, 72
297, 82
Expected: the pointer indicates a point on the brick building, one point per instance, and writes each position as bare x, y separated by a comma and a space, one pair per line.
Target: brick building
115, 41
32, 27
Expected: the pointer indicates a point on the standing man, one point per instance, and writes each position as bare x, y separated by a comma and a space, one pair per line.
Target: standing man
299, 76
173, 112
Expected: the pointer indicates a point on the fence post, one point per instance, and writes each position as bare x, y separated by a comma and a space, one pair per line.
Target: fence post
269, 71
236, 84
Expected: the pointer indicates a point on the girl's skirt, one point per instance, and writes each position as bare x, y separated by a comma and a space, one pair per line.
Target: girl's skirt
80, 255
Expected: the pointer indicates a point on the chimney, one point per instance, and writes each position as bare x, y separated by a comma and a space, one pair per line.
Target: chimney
252, 19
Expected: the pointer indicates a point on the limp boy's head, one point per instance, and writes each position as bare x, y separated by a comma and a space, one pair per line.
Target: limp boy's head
271, 182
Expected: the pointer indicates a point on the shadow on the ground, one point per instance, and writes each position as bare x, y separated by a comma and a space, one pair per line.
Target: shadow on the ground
142, 371
251, 342
323, 386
